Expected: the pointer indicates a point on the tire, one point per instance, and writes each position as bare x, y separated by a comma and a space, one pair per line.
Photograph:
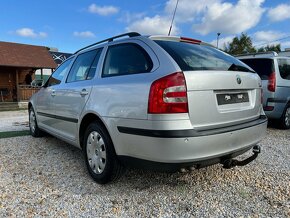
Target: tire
33, 127
101, 159
285, 119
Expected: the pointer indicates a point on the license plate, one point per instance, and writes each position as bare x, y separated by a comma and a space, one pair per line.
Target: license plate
232, 98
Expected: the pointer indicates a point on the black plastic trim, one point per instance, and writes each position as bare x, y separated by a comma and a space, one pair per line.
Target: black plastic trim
276, 100
189, 132
72, 120
173, 167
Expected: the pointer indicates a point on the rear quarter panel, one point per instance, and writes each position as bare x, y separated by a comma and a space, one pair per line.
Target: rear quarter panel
126, 96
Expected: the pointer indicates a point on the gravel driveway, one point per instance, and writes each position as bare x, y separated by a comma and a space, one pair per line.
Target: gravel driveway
47, 177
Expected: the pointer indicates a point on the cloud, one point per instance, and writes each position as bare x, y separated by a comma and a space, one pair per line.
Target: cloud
153, 25
217, 15
279, 13
264, 38
207, 16
285, 44
128, 17
84, 34
223, 41
30, 33
103, 10
187, 10
268, 36
160, 23
42, 34
230, 19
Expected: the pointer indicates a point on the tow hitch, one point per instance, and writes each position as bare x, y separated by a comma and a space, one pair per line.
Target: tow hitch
229, 163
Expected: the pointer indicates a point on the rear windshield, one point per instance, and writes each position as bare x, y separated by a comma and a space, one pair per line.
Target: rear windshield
284, 68
263, 66
201, 57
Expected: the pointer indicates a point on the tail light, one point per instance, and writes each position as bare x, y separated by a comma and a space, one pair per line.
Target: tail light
268, 108
272, 82
168, 95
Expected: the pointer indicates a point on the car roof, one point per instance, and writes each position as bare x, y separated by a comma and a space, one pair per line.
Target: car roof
261, 55
152, 37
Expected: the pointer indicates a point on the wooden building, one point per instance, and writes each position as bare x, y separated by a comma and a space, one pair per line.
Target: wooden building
16, 61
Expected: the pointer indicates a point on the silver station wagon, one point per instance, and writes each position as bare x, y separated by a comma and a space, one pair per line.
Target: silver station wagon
158, 102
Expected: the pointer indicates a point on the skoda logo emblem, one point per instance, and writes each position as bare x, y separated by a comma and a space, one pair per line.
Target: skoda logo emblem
239, 80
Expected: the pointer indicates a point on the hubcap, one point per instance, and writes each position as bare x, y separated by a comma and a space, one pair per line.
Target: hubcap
32, 121
287, 117
96, 152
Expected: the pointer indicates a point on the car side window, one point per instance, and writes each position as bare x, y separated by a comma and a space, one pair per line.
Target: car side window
92, 70
59, 73
284, 68
84, 67
124, 59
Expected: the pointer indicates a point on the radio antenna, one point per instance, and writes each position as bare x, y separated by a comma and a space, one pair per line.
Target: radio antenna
173, 17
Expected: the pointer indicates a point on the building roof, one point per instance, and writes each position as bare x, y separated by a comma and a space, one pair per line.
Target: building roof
22, 55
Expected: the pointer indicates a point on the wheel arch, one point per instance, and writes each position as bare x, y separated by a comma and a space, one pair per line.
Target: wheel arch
86, 120
282, 119
286, 106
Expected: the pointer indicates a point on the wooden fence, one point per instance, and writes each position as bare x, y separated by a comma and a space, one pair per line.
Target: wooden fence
25, 92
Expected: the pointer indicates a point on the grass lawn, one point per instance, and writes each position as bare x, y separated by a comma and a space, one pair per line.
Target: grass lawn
14, 134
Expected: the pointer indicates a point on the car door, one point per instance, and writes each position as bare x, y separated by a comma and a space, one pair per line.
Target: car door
45, 97
72, 95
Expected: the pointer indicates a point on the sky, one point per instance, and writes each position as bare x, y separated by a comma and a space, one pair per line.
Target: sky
71, 25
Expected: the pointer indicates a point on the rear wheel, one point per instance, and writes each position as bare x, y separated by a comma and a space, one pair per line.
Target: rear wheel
33, 127
285, 119
100, 156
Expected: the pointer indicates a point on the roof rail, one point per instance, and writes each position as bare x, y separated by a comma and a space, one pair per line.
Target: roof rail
130, 34
273, 53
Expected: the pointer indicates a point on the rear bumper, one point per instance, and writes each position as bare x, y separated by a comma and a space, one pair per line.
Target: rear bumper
190, 132
190, 146
275, 107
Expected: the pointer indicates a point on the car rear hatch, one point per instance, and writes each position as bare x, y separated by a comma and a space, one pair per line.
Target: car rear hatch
221, 90
218, 98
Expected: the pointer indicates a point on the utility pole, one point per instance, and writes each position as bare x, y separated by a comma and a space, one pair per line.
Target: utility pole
217, 40
173, 17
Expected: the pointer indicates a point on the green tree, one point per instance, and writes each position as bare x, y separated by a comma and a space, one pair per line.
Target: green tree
276, 48
240, 45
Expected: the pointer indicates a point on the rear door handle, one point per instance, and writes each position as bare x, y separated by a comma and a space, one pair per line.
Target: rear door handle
84, 92
53, 93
